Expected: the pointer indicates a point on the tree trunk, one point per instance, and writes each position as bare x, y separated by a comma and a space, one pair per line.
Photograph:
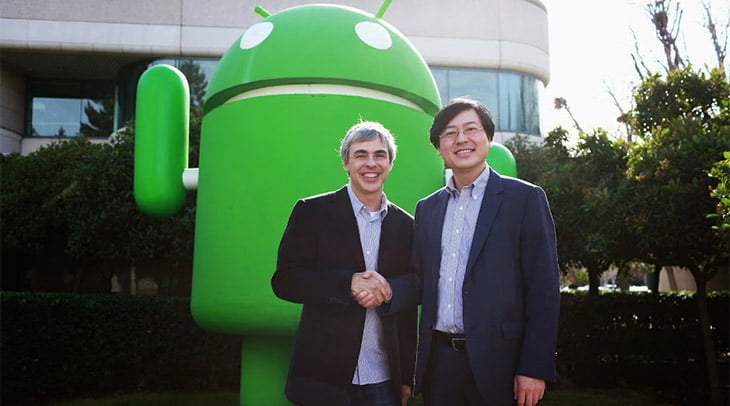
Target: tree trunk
709, 344
132, 280
654, 286
594, 280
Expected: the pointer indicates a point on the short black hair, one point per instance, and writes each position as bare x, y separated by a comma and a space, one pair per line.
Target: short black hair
453, 108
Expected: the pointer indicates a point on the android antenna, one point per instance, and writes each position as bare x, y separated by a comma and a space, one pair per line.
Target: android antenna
384, 7
260, 11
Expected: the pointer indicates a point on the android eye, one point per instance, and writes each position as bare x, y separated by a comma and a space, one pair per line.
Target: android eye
256, 34
374, 35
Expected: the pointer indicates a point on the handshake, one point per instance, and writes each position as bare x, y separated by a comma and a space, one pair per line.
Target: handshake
370, 289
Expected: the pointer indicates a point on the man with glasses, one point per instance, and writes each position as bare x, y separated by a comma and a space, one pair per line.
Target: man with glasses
335, 246
486, 271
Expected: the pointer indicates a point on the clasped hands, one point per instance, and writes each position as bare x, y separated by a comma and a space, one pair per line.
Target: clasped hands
370, 289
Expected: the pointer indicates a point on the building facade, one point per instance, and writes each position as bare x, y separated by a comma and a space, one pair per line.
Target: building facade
71, 68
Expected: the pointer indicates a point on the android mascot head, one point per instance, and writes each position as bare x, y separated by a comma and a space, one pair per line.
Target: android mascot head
276, 108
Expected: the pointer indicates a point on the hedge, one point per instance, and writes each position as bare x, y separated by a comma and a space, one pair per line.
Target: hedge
642, 341
57, 346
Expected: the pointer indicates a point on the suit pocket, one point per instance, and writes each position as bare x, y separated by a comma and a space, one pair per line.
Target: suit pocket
512, 330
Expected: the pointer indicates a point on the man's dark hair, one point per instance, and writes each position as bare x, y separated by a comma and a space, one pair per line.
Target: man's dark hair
453, 108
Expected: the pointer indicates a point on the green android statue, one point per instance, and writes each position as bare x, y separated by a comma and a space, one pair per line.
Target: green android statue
276, 107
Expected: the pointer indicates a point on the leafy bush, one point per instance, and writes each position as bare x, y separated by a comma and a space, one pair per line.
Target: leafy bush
58, 346
639, 340
62, 345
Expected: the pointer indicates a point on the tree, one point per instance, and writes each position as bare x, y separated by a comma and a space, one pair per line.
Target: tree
685, 123
69, 208
666, 31
100, 118
683, 94
721, 171
196, 81
33, 206
71, 202
581, 184
666, 18
600, 164
105, 226
719, 44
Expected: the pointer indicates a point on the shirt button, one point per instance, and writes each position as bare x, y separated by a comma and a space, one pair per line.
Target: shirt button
451, 279
449, 306
457, 231
453, 254
461, 207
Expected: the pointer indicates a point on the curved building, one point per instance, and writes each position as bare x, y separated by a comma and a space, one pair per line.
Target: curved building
70, 68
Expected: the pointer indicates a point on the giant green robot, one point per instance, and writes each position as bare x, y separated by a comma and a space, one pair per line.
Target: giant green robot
276, 108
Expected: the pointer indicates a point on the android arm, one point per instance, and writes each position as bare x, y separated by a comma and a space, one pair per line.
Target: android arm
161, 143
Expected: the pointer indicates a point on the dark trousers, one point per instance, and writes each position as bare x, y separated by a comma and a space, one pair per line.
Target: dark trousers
449, 380
376, 394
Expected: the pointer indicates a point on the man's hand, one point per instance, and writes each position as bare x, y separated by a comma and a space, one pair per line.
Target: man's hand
370, 289
405, 395
528, 391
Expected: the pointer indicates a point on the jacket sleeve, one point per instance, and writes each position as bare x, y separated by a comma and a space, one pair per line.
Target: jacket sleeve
407, 288
297, 277
408, 340
540, 273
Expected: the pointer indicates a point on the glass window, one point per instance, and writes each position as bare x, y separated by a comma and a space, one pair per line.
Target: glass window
512, 98
71, 109
197, 71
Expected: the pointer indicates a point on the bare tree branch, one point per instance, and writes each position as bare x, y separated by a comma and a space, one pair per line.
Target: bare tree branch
561, 103
623, 118
720, 49
667, 33
636, 57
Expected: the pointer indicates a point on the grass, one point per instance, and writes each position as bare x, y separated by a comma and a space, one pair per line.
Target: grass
158, 399
599, 397
553, 397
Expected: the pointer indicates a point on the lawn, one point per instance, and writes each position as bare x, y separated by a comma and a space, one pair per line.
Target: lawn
555, 397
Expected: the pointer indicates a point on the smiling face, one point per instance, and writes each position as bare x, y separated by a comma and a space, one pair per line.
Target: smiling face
465, 154
368, 166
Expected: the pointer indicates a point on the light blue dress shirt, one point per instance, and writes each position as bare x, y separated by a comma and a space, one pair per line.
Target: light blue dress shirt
372, 363
462, 211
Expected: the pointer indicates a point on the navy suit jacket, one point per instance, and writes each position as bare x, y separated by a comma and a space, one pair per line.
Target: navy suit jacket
511, 293
319, 252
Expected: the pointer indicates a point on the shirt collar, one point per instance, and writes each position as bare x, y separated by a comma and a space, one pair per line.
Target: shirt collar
358, 206
476, 189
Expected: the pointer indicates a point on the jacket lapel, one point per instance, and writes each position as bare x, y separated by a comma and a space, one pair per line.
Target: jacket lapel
344, 220
490, 206
433, 229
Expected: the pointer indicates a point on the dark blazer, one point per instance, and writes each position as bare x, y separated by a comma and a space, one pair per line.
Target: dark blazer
511, 293
319, 252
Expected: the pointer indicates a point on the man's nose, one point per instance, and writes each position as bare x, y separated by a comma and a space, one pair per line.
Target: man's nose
459, 133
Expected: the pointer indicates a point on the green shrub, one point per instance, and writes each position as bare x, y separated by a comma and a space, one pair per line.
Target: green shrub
57, 346
62, 345
640, 340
